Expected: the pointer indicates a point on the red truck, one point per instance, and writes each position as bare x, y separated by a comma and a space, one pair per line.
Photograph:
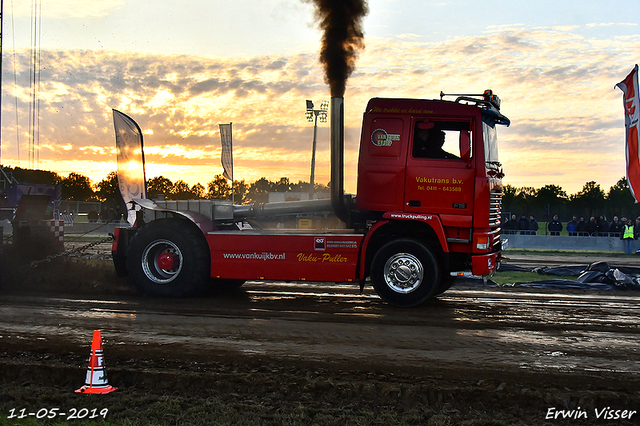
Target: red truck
427, 209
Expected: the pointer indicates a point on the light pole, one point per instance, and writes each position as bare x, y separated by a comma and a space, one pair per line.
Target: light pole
310, 114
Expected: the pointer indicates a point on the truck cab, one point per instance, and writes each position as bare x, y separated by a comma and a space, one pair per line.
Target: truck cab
433, 164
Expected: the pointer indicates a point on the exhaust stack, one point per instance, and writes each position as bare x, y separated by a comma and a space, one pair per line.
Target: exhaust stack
342, 40
338, 200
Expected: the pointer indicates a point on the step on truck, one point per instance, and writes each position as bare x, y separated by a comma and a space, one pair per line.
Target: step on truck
427, 210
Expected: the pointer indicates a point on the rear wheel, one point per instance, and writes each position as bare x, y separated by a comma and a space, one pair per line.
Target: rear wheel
169, 258
404, 272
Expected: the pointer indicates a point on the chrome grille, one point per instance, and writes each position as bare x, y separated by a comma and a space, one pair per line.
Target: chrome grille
495, 208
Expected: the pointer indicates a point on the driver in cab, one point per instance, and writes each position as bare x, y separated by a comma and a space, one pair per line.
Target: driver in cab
428, 141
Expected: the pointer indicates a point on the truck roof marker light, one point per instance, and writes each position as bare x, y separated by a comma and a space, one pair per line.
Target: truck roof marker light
491, 98
487, 98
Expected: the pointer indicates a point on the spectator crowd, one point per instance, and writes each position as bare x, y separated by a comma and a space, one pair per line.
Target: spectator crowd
575, 228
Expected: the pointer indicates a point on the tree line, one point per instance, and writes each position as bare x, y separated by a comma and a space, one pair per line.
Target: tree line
590, 201
220, 189
542, 202
77, 187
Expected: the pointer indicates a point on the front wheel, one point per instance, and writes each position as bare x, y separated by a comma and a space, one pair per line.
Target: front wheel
404, 272
446, 281
169, 258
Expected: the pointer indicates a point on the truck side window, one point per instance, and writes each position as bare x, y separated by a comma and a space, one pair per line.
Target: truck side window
437, 140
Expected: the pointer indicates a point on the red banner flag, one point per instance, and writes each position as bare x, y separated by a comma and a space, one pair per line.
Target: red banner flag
631, 114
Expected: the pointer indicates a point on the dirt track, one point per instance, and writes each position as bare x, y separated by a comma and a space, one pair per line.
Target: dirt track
279, 353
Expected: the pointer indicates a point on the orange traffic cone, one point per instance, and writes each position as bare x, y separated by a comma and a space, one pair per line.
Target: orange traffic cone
96, 381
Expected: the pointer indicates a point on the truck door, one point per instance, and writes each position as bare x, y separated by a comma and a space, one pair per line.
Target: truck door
439, 172
381, 168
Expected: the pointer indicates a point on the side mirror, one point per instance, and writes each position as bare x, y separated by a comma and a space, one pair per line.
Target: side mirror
465, 146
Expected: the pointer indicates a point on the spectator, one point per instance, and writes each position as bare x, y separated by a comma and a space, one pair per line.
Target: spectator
555, 227
112, 215
628, 236
571, 226
511, 225
533, 225
581, 227
523, 225
615, 227
592, 227
603, 226
93, 215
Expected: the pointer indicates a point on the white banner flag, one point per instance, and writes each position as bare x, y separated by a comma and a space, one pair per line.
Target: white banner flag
130, 153
226, 137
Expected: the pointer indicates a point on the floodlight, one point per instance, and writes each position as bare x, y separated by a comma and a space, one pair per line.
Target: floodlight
319, 114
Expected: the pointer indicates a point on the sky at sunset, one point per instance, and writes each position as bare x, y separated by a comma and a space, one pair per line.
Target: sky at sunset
180, 69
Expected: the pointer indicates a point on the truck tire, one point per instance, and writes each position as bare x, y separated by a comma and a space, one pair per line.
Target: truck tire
404, 272
169, 258
446, 281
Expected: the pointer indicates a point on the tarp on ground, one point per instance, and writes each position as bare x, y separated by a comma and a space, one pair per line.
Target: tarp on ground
596, 276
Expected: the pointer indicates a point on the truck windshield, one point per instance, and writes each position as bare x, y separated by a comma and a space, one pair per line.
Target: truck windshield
490, 137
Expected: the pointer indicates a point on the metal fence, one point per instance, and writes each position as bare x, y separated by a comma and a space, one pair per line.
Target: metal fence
570, 234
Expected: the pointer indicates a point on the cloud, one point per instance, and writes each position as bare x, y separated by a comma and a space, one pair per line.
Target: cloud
409, 36
210, 85
69, 9
613, 24
556, 86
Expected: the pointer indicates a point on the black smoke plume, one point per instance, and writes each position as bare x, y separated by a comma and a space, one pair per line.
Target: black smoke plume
343, 39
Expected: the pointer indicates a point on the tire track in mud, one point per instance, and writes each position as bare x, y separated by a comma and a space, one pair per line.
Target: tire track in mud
466, 328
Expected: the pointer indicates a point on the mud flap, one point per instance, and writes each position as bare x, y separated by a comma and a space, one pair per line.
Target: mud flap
362, 283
